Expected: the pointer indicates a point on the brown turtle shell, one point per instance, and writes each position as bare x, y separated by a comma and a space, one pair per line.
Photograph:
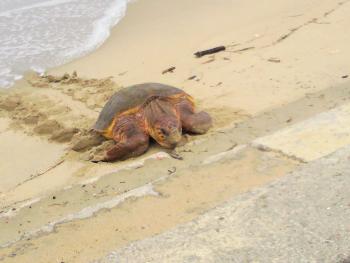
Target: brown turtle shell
129, 98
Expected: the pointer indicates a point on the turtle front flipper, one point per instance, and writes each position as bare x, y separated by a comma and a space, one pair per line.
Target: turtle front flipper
131, 140
198, 123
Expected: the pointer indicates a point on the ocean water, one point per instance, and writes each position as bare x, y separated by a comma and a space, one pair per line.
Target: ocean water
40, 34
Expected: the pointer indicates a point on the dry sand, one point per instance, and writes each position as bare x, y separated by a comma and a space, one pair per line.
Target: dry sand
308, 37
278, 53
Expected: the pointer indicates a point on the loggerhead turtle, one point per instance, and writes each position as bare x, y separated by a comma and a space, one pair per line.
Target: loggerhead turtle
136, 113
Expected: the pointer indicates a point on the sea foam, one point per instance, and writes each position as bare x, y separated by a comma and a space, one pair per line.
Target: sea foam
40, 34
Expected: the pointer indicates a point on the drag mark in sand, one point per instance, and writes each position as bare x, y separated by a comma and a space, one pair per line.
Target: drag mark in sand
313, 20
40, 173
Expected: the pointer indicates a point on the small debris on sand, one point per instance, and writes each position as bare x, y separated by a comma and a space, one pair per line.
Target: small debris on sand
122, 73
209, 61
168, 70
175, 155
243, 49
172, 170
274, 60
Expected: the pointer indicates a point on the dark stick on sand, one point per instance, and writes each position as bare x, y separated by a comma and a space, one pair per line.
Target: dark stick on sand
209, 51
171, 70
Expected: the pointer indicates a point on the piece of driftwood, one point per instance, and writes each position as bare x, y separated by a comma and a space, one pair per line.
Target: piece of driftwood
209, 51
171, 69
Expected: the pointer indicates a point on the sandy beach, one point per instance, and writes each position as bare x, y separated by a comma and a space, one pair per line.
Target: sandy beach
284, 61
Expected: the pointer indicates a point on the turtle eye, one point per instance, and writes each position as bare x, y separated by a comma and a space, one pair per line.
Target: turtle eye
164, 131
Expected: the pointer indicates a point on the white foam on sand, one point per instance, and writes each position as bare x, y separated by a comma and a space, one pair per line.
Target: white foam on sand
40, 34
101, 28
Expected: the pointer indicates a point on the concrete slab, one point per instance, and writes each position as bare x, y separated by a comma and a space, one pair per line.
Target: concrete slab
303, 217
313, 138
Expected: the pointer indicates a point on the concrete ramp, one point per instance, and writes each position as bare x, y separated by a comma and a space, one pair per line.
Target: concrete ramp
312, 138
303, 217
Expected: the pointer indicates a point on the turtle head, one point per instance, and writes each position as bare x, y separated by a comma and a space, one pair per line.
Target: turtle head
163, 123
167, 132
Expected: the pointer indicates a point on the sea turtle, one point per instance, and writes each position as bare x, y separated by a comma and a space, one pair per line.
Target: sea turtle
136, 113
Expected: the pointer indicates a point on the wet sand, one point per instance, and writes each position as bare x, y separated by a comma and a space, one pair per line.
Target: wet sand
284, 62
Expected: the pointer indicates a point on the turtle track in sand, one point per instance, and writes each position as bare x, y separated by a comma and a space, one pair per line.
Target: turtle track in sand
48, 112
59, 109
63, 108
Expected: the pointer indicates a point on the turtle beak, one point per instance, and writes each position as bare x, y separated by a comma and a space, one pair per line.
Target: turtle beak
174, 138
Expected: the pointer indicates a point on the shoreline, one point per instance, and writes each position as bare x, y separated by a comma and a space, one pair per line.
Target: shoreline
29, 46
